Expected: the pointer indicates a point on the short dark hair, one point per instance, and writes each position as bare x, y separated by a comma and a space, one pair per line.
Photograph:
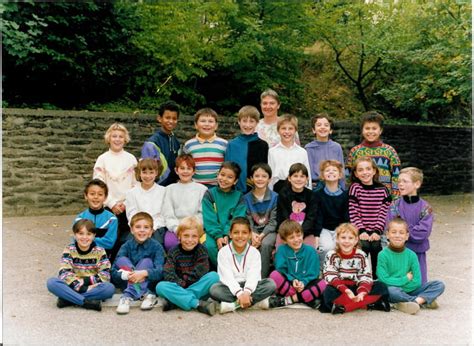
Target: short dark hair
372, 117
240, 220
298, 167
98, 183
168, 106
265, 166
322, 116
233, 166
288, 227
88, 224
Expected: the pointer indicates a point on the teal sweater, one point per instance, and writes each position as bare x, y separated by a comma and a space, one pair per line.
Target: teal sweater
218, 210
302, 265
392, 269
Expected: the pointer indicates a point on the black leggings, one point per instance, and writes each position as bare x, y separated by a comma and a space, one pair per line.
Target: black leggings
373, 248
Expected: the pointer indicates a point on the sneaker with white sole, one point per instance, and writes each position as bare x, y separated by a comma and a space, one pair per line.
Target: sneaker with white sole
227, 307
149, 302
263, 304
124, 306
407, 307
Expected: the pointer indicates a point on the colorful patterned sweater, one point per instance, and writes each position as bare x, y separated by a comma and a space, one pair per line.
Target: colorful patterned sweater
186, 267
105, 223
208, 155
262, 214
91, 266
386, 159
419, 216
368, 207
353, 269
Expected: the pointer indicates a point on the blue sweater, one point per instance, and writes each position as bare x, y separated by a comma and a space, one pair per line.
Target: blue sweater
135, 252
106, 224
262, 214
302, 265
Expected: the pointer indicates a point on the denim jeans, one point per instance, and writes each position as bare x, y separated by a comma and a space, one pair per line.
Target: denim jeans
429, 291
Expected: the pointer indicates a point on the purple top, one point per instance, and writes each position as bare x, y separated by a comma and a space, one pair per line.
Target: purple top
419, 216
320, 151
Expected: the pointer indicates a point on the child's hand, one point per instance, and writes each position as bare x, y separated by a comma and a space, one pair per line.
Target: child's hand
245, 300
124, 274
350, 294
256, 240
364, 236
298, 285
410, 276
138, 276
374, 237
221, 242
91, 287
118, 208
360, 297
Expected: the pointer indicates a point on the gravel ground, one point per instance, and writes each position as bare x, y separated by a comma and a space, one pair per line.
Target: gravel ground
31, 250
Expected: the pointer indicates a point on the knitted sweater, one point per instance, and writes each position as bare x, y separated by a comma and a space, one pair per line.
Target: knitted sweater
105, 223
233, 272
392, 269
332, 210
246, 150
117, 170
92, 266
368, 207
342, 270
419, 216
149, 201
165, 148
302, 265
386, 159
182, 200
262, 214
186, 267
320, 151
280, 159
298, 206
208, 155
135, 252
218, 210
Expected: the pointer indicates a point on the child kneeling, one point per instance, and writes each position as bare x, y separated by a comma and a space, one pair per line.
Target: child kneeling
297, 269
186, 274
84, 274
399, 269
349, 277
239, 267
139, 265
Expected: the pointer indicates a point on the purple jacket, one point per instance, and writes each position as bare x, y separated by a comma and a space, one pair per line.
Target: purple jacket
419, 216
320, 151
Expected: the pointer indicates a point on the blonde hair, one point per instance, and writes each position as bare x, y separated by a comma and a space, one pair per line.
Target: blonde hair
270, 92
416, 174
190, 222
288, 227
141, 216
346, 228
248, 112
398, 221
150, 164
328, 163
116, 127
287, 118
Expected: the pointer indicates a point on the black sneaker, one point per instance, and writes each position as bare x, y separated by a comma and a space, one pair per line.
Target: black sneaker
208, 308
277, 302
92, 305
337, 309
314, 304
63, 303
380, 305
167, 305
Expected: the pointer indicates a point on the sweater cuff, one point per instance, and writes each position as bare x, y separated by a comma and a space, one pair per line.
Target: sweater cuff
364, 288
342, 288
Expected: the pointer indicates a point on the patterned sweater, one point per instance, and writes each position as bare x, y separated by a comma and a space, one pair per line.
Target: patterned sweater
368, 206
186, 267
342, 270
92, 266
208, 155
386, 159
262, 214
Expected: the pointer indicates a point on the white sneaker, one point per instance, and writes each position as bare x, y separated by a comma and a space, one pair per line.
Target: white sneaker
227, 307
407, 307
263, 304
124, 306
149, 302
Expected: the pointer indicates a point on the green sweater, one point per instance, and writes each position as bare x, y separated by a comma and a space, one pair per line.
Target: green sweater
392, 269
218, 210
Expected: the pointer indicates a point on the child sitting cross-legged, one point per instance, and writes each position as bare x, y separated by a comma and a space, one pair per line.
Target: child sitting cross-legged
239, 268
399, 269
349, 277
139, 265
187, 278
296, 269
84, 274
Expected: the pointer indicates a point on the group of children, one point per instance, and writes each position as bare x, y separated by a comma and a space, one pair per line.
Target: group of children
250, 223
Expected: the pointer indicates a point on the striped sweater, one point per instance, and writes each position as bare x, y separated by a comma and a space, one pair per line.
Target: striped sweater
91, 266
368, 207
353, 269
186, 267
208, 155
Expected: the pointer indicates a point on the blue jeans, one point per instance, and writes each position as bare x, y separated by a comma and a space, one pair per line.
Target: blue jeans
59, 288
187, 298
135, 290
428, 291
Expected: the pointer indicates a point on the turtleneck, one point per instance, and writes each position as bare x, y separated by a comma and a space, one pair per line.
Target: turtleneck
411, 199
396, 249
96, 211
81, 252
371, 144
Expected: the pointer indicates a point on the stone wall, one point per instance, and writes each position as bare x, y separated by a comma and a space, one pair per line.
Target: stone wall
48, 156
